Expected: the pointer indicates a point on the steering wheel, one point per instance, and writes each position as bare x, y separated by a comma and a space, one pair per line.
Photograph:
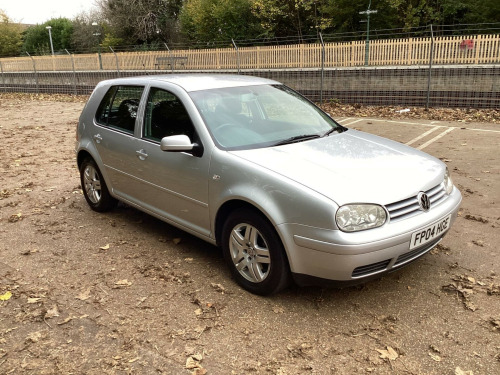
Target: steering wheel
222, 126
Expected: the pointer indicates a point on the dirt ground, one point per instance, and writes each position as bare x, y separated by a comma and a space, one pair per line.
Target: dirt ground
124, 293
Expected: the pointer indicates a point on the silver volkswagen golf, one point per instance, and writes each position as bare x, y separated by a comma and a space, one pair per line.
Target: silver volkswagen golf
252, 166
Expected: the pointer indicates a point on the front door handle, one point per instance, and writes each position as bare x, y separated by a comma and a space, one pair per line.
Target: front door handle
98, 138
142, 154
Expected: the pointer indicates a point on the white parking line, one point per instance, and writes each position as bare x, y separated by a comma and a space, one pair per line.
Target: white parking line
431, 124
422, 136
344, 119
435, 138
353, 122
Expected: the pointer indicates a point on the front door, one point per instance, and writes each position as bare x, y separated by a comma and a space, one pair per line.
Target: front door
173, 184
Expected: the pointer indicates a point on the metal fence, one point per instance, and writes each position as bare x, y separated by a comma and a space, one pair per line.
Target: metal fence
453, 71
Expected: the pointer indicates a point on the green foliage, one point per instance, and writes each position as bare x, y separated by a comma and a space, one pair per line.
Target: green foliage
219, 20
36, 38
111, 41
10, 36
290, 17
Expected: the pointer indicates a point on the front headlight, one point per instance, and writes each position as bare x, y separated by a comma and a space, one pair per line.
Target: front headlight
355, 217
448, 183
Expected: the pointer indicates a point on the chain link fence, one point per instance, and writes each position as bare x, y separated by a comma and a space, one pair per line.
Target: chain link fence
423, 70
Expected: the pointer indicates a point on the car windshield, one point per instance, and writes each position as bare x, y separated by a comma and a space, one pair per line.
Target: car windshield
260, 116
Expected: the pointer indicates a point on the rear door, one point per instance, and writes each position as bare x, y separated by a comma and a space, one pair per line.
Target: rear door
114, 139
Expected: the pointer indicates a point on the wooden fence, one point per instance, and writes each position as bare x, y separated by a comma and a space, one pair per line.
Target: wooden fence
473, 49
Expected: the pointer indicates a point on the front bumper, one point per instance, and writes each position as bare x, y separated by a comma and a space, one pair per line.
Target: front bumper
356, 257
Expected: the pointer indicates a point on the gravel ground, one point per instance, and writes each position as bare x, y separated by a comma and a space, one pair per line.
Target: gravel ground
124, 293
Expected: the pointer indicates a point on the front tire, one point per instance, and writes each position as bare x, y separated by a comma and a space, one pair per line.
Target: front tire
94, 187
254, 253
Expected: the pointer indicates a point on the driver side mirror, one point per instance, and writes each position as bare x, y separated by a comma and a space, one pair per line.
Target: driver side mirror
180, 143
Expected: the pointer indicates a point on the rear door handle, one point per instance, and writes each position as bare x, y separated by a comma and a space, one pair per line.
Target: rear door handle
98, 138
142, 154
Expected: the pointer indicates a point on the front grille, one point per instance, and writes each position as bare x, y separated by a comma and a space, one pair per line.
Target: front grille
415, 253
409, 207
370, 268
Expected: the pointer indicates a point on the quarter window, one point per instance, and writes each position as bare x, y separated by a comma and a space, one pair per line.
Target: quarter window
165, 116
118, 108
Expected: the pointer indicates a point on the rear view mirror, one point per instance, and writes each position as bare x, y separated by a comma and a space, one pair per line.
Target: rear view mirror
180, 143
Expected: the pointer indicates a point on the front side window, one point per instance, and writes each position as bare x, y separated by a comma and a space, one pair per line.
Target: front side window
118, 108
166, 116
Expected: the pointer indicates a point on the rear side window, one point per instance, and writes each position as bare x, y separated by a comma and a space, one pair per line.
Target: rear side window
118, 108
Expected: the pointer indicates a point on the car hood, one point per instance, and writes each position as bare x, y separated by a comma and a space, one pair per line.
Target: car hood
352, 167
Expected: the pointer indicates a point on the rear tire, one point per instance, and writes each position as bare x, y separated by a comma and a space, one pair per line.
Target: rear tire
94, 187
254, 253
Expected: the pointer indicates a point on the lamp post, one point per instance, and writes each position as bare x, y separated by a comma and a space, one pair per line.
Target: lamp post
50, 37
97, 34
367, 45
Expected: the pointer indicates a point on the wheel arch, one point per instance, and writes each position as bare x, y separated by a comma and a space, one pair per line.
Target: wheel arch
82, 155
232, 205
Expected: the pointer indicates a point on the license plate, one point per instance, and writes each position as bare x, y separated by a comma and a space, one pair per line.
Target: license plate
430, 233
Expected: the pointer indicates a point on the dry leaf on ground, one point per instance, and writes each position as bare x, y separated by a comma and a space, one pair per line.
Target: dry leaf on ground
459, 371
389, 354
6, 296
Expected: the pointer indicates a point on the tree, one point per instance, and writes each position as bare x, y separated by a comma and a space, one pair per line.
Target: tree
142, 21
10, 36
280, 18
219, 20
86, 37
36, 38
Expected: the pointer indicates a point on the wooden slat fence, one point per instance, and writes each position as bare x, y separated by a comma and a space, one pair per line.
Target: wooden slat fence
473, 49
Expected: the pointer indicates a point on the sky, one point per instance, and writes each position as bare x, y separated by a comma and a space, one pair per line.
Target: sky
39, 11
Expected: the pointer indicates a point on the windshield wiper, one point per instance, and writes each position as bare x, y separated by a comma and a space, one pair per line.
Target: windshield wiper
297, 138
333, 130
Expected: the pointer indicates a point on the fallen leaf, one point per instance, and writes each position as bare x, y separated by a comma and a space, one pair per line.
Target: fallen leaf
52, 312
191, 363
34, 336
198, 312
390, 353
34, 300
470, 305
16, 217
199, 371
85, 295
6, 296
459, 371
105, 247
219, 288
435, 357
198, 357
123, 282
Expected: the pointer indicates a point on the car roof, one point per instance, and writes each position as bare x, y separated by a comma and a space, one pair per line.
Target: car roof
196, 82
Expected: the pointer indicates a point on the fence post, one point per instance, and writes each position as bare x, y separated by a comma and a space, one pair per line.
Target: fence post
171, 59
3, 79
116, 60
237, 55
322, 68
36, 73
74, 73
429, 76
